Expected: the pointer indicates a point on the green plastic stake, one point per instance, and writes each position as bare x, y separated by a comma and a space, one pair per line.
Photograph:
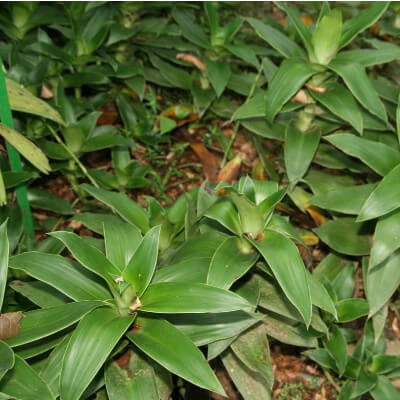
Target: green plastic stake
15, 159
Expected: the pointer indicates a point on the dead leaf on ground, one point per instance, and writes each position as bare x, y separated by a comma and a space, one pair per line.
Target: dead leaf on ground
315, 214
231, 170
46, 93
191, 59
316, 89
10, 325
209, 161
108, 115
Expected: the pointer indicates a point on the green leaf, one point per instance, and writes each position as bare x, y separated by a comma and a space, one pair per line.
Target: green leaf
382, 281
134, 380
95, 221
357, 81
252, 348
385, 240
142, 265
158, 339
121, 241
232, 259
167, 125
224, 212
361, 21
190, 30
171, 297
24, 146
320, 296
61, 273
90, 345
344, 281
384, 199
4, 253
340, 102
384, 390
378, 156
208, 327
322, 357
219, 74
251, 385
78, 79
7, 358
87, 255
254, 108
23, 100
22, 382
351, 309
276, 39
288, 79
345, 235
284, 259
38, 324
346, 200
398, 118
123, 205
326, 37
369, 57
45, 200
244, 52
337, 348
299, 150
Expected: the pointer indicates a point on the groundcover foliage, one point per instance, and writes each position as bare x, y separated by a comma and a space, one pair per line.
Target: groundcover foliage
137, 303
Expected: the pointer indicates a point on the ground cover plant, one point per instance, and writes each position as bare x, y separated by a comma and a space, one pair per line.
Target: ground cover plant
207, 202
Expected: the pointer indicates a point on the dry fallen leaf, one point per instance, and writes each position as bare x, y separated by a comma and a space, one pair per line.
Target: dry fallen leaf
300, 97
316, 89
108, 115
191, 59
231, 171
46, 93
258, 172
317, 217
9, 324
209, 160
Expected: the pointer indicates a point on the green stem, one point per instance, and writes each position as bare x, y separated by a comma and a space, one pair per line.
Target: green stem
15, 159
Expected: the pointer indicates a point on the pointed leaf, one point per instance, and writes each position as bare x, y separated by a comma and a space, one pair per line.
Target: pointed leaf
351, 309
284, 259
224, 212
158, 339
4, 252
123, 205
357, 81
170, 297
384, 390
7, 358
337, 348
370, 57
384, 199
89, 256
219, 74
141, 267
90, 344
42, 323
288, 79
61, 273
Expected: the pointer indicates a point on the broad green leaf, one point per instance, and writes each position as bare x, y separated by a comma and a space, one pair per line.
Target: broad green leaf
208, 327
158, 339
78, 79
251, 385
345, 236
276, 39
4, 253
320, 296
87, 255
232, 259
384, 363
369, 57
44, 200
219, 74
384, 390
337, 348
351, 309
190, 30
245, 52
378, 156
382, 281
90, 345
361, 21
40, 293
224, 212
322, 357
123, 205
7, 358
141, 267
299, 150
61, 273
121, 241
134, 380
23, 100
252, 348
344, 282
385, 240
254, 108
283, 257
95, 221
340, 102
24, 146
170, 297
38, 324
326, 37
398, 118
346, 200
22, 382
301, 28
356, 79
288, 79
384, 199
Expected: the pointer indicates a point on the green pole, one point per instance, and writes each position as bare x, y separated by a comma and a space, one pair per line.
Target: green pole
14, 157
